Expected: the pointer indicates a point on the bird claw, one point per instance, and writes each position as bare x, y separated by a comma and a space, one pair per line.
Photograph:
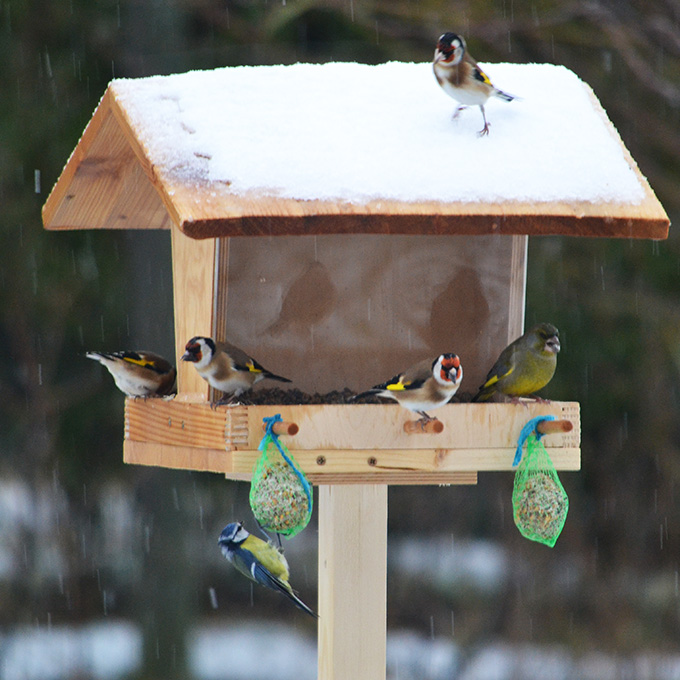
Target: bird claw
424, 420
484, 131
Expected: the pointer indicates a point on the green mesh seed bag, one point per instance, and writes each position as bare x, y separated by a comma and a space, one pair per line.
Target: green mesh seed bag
539, 501
280, 495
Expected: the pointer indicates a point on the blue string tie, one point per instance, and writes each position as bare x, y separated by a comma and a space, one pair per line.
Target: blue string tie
269, 433
527, 431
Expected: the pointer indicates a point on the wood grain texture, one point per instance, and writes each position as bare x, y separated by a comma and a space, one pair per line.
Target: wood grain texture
380, 426
367, 462
346, 427
177, 457
374, 450
352, 582
193, 275
102, 187
517, 289
268, 216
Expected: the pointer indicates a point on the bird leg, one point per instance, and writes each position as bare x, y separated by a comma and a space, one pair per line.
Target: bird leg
485, 129
424, 419
456, 113
230, 400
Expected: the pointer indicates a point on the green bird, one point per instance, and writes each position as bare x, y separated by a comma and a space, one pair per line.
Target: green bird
524, 366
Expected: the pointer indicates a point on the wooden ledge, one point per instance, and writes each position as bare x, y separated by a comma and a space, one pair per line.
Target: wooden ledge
344, 444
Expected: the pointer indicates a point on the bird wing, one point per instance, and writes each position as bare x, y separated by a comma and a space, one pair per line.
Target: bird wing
246, 363
146, 360
501, 369
240, 360
412, 379
255, 570
479, 75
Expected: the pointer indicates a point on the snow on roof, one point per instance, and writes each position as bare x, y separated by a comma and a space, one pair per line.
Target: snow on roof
354, 132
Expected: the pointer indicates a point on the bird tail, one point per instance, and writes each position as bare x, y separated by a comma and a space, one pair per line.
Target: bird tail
504, 95
98, 356
482, 395
301, 605
367, 393
280, 378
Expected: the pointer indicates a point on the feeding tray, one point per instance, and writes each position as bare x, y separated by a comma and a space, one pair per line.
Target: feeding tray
345, 444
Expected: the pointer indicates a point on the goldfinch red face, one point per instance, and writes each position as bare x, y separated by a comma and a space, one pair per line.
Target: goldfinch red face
447, 369
450, 49
199, 351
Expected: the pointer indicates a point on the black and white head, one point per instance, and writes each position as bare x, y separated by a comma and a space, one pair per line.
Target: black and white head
200, 351
447, 369
450, 49
232, 536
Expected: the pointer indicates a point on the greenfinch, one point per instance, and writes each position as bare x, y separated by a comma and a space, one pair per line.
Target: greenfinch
525, 366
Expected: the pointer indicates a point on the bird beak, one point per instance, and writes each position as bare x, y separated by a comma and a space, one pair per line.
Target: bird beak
553, 344
188, 356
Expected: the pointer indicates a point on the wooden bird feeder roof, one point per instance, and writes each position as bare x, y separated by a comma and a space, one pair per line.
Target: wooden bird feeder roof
156, 152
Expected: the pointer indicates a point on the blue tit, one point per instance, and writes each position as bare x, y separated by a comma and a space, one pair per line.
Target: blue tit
259, 561
139, 374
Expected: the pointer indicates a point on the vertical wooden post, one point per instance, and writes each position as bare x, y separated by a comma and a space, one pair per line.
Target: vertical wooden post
352, 582
194, 275
518, 285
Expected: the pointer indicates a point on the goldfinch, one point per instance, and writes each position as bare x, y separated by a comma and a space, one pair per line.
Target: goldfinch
525, 366
460, 76
139, 374
259, 561
427, 385
225, 367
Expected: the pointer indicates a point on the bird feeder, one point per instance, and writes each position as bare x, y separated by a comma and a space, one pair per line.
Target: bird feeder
333, 222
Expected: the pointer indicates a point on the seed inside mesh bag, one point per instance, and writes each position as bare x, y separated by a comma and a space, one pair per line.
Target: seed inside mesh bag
540, 506
278, 498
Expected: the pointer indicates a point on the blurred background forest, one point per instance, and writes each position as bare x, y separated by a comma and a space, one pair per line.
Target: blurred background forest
109, 571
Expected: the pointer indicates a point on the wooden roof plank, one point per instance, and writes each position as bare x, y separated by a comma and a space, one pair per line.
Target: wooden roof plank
104, 185
110, 182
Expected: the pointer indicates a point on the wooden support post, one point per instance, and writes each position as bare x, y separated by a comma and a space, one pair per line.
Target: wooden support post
352, 582
199, 271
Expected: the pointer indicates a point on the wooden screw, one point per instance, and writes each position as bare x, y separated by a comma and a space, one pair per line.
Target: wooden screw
554, 426
433, 426
321, 460
372, 461
283, 428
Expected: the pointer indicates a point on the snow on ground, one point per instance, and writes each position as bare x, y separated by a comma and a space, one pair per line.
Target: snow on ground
354, 132
251, 650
